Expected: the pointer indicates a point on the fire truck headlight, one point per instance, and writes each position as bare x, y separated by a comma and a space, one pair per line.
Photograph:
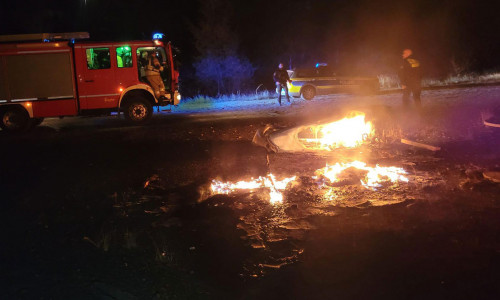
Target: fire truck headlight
179, 97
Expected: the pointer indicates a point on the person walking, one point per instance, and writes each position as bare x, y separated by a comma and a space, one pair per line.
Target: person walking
410, 75
281, 78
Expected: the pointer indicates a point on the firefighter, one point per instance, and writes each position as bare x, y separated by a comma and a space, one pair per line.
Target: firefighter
281, 78
153, 76
410, 75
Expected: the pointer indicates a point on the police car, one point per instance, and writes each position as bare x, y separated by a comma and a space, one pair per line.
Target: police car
322, 80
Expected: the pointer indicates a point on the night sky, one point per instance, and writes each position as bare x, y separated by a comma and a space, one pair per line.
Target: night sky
358, 36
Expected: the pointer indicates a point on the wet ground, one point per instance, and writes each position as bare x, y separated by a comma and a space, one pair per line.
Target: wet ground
95, 209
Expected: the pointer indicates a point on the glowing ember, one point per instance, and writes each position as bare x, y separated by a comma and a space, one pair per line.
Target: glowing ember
348, 132
374, 177
269, 182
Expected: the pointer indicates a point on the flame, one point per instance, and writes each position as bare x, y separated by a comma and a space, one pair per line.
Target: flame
349, 132
373, 179
268, 182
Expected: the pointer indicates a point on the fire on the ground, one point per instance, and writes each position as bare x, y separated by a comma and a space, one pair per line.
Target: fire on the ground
349, 132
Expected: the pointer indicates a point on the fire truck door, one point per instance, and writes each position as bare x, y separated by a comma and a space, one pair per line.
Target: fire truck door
96, 77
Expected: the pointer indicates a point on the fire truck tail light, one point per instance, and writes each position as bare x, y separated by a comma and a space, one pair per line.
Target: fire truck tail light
120, 89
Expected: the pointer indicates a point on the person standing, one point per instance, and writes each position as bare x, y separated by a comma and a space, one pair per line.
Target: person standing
281, 78
410, 75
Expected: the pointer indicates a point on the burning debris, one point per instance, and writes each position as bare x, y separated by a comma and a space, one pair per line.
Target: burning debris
373, 178
301, 186
348, 132
276, 231
268, 182
324, 179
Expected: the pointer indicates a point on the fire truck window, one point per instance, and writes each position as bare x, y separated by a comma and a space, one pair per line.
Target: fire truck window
124, 57
98, 58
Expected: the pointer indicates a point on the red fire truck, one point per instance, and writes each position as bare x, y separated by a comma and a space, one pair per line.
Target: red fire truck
59, 75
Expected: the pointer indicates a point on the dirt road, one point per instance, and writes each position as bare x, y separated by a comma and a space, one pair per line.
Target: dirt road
95, 209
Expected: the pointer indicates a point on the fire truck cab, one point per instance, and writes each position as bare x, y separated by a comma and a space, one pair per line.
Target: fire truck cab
59, 75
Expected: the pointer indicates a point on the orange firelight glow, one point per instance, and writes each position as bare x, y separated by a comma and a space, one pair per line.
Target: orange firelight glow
349, 132
269, 182
373, 179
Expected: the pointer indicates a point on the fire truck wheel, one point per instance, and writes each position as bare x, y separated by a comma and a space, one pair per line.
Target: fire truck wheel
308, 93
14, 118
138, 110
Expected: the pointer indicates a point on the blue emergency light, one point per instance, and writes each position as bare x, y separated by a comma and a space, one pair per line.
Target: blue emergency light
158, 36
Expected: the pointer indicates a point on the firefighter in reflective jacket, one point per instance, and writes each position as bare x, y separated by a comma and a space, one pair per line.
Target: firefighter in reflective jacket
410, 75
153, 76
